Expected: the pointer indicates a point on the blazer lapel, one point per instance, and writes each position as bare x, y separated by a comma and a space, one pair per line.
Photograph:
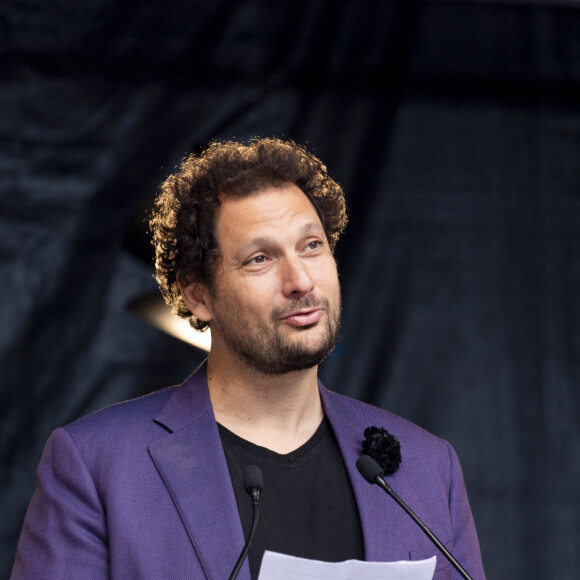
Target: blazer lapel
382, 525
192, 465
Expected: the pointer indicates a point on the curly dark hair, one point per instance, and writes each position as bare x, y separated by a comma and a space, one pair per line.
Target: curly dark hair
183, 220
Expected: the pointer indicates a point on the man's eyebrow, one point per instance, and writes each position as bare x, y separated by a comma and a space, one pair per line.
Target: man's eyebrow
310, 228
253, 243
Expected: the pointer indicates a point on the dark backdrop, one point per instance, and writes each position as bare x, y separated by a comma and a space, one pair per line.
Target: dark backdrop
454, 129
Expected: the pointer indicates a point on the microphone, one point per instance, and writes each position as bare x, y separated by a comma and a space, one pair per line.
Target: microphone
371, 471
254, 484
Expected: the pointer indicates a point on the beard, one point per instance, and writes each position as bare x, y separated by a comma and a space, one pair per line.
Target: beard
264, 348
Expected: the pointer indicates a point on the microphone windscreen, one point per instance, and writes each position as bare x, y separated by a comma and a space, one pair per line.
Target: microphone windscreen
369, 468
253, 478
383, 447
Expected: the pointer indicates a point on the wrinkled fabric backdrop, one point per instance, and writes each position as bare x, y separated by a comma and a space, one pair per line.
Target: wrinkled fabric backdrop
454, 130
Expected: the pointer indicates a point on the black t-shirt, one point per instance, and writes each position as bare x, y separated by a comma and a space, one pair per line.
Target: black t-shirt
307, 506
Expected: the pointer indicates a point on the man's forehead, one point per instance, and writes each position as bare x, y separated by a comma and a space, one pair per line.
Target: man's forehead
289, 196
267, 214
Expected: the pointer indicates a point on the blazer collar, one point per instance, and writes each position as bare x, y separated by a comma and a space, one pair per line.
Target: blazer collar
188, 402
380, 517
193, 467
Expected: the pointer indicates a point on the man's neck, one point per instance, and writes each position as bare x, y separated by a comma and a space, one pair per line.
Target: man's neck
279, 412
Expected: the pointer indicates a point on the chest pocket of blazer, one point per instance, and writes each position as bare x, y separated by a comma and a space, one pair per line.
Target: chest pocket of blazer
443, 568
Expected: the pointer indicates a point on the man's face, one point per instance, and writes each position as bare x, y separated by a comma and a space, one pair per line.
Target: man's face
275, 301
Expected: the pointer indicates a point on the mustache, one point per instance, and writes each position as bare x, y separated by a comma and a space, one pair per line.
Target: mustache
302, 303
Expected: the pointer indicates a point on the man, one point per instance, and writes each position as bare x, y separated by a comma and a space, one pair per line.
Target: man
153, 488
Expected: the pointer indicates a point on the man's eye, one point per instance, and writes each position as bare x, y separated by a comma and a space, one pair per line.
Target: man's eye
314, 244
257, 260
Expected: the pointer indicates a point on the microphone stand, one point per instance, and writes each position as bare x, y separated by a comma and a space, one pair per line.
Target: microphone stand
372, 474
382, 483
254, 490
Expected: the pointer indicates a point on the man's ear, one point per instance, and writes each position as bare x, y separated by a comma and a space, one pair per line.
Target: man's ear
196, 296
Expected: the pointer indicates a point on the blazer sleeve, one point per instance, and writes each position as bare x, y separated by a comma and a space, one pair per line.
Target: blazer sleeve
64, 533
465, 543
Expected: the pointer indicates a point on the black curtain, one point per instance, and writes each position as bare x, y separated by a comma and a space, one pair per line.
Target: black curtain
454, 130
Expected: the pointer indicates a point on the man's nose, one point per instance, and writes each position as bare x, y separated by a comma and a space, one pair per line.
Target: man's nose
296, 277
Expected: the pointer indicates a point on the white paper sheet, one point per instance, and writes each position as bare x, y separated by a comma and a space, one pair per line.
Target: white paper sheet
277, 566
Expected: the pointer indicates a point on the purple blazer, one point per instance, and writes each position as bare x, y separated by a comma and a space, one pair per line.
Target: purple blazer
141, 490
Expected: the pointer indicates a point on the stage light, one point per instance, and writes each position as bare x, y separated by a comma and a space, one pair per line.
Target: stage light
155, 311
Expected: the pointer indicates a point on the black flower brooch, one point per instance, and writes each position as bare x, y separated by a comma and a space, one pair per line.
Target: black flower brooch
383, 447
